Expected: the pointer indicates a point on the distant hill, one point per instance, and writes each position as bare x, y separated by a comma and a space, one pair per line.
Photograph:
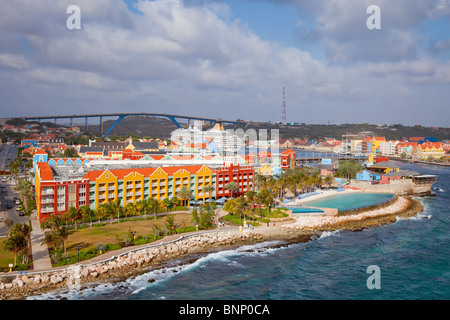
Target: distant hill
159, 127
319, 131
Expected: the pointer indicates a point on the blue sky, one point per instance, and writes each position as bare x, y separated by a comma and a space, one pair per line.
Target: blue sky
229, 59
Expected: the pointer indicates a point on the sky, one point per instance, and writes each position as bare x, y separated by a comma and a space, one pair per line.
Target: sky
229, 59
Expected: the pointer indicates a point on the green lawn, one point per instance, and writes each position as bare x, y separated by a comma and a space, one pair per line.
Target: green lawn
6, 257
112, 234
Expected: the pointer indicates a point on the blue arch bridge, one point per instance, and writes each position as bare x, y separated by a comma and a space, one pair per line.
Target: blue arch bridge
121, 116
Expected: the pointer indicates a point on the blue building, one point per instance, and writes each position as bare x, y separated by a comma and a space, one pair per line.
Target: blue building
367, 175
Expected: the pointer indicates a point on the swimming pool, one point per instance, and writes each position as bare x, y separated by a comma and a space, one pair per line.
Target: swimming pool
306, 210
350, 201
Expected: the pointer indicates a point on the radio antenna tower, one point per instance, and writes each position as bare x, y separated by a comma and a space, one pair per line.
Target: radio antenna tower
283, 107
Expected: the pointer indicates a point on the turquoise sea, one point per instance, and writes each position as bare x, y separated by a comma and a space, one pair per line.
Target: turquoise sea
349, 201
413, 256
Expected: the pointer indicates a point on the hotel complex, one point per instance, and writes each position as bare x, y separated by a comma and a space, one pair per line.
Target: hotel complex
62, 183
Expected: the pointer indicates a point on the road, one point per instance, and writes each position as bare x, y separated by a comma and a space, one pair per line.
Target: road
8, 154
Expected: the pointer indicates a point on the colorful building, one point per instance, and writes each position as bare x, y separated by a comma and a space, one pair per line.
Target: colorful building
243, 175
376, 144
59, 187
429, 149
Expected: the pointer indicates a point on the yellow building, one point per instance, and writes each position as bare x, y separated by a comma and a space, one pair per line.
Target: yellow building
265, 170
429, 150
376, 143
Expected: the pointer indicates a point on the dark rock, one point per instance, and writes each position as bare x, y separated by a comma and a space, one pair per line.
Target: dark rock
151, 280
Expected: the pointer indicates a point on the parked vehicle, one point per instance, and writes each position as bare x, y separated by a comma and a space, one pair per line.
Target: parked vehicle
21, 213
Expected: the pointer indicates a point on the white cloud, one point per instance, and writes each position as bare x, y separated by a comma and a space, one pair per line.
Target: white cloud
174, 57
12, 61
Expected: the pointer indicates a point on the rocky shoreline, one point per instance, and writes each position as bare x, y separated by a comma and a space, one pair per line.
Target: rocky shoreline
119, 268
404, 206
142, 260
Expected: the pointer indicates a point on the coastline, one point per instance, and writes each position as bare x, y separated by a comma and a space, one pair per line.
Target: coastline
139, 261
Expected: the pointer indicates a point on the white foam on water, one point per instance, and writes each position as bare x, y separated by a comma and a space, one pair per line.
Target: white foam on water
326, 234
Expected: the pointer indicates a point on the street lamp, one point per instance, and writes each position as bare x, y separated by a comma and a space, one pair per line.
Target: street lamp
10, 267
79, 246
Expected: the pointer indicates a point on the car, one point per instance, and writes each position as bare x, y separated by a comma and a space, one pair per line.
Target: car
9, 206
17, 201
21, 213
15, 198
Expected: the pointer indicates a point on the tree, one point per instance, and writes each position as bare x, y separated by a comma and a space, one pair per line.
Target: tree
14, 168
130, 209
348, 169
175, 201
166, 203
233, 187
25, 189
115, 208
102, 211
86, 213
328, 180
73, 214
141, 206
58, 231
170, 223
71, 153
209, 189
15, 243
185, 194
267, 197
18, 241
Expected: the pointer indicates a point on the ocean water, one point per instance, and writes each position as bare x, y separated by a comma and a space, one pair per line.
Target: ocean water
412, 254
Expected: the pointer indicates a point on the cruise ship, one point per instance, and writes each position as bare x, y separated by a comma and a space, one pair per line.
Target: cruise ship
218, 139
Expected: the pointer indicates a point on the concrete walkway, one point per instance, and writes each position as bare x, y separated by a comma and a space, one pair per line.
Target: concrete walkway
41, 257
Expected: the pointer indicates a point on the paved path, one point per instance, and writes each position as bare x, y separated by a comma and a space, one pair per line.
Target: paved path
41, 257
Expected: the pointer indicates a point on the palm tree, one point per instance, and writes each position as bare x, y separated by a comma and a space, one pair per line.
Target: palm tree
26, 191
102, 211
166, 203
73, 214
115, 208
14, 168
153, 205
185, 194
209, 189
57, 230
15, 242
86, 212
233, 187
328, 181
130, 209
175, 201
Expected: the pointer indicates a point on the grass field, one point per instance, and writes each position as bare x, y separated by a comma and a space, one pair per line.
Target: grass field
113, 233
6, 257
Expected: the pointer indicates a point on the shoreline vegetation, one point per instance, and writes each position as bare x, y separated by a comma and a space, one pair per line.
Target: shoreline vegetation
190, 246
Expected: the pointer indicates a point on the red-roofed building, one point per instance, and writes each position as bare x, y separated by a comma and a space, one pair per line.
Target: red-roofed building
243, 175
